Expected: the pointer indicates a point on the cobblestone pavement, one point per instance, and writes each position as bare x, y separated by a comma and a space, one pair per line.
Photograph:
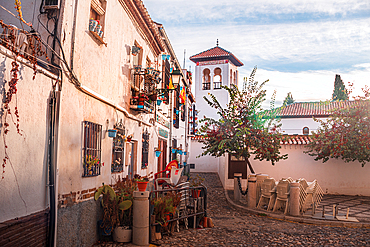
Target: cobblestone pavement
236, 227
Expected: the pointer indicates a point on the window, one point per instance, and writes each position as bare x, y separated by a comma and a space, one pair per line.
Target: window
176, 115
137, 57
183, 112
166, 79
306, 130
91, 148
206, 79
145, 149
97, 16
118, 151
217, 79
174, 145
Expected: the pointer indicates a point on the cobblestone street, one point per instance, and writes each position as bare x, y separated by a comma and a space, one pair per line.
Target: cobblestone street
234, 227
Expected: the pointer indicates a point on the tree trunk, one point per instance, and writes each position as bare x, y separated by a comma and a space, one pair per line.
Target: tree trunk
249, 165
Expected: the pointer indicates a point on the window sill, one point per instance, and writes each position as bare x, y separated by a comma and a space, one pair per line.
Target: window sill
97, 38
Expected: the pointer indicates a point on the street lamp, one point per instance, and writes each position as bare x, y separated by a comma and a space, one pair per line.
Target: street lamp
175, 78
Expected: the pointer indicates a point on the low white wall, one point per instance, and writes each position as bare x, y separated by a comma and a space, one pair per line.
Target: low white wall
334, 176
203, 163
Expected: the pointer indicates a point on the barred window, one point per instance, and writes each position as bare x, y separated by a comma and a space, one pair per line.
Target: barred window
217, 79
91, 148
145, 149
206, 79
118, 151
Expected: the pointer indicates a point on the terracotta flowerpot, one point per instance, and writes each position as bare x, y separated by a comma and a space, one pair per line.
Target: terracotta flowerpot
195, 193
141, 185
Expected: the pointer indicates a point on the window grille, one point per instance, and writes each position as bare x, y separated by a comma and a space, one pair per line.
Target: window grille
174, 145
166, 79
118, 151
206, 85
183, 113
145, 150
91, 149
217, 85
176, 114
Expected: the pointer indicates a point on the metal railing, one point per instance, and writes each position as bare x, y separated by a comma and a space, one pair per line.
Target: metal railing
192, 205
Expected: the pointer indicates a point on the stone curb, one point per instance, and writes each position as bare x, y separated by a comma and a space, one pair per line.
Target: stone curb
298, 219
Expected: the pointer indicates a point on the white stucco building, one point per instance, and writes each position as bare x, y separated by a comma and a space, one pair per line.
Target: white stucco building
334, 176
95, 79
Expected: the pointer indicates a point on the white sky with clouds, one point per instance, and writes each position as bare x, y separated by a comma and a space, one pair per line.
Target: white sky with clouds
298, 45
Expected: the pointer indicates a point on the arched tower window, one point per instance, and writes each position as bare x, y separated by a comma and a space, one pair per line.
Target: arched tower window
235, 81
206, 79
306, 130
217, 79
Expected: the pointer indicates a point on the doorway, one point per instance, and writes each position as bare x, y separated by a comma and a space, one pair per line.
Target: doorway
162, 145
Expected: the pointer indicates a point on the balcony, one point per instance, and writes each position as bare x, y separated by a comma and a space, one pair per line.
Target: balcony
142, 103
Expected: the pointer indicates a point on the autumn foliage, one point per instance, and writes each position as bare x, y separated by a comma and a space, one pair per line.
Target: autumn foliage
243, 128
345, 134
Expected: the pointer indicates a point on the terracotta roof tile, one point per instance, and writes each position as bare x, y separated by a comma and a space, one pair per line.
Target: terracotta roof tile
286, 139
214, 53
312, 109
295, 140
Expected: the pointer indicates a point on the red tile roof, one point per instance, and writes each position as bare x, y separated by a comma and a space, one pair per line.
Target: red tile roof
311, 109
216, 53
286, 139
295, 140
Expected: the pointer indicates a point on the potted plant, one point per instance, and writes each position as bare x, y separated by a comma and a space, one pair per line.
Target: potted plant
157, 152
128, 138
196, 182
91, 163
164, 207
111, 204
142, 181
112, 133
125, 191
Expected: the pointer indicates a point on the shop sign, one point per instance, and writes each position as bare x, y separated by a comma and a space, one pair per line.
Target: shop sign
163, 133
162, 120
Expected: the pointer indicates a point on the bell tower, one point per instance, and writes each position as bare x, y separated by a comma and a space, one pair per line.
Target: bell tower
214, 67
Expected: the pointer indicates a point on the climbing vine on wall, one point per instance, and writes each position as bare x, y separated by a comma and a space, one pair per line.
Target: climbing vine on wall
31, 53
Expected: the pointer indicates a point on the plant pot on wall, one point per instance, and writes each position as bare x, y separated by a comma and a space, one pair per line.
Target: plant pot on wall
141, 185
157, 153
112, 133
122, 234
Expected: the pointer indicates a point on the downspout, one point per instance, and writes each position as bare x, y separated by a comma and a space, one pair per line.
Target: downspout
54, 103
171, 123
73, 34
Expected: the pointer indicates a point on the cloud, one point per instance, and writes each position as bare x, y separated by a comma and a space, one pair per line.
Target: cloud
177, 12
287, 47
298, 45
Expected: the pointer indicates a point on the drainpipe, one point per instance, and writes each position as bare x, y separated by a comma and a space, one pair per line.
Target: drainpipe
171, 123
54, 103
73, 34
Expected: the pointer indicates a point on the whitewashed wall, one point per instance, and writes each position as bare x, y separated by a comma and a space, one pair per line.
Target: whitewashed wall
23, 190
334, 176
292, 126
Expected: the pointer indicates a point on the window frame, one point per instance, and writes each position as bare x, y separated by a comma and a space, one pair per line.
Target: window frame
118, 147
91, 148
145, 149
97, 12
